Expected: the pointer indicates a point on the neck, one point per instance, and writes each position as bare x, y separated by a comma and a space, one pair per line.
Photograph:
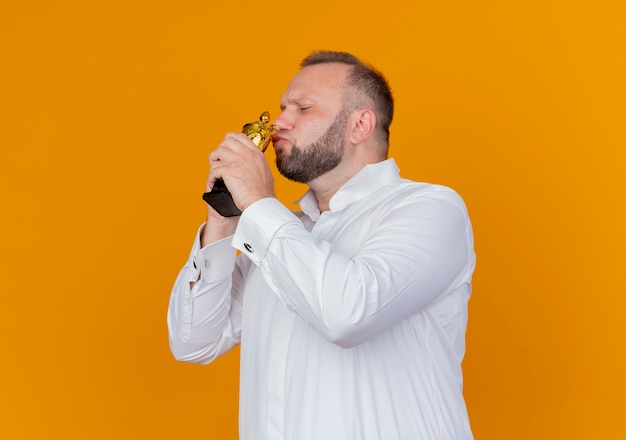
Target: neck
324, 188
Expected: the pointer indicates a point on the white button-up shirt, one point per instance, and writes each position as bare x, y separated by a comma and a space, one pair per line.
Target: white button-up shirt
351, 321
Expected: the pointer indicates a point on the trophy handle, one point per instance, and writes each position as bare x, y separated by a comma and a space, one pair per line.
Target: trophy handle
220, 199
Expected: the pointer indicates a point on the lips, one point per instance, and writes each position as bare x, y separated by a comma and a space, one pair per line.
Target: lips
278, 141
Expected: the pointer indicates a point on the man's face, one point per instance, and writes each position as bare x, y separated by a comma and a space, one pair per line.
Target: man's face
312, 126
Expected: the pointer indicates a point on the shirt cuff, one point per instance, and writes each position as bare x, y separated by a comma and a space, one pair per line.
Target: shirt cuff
213, 262
258, 225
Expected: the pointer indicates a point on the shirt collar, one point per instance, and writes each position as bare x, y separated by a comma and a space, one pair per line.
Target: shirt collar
371, 178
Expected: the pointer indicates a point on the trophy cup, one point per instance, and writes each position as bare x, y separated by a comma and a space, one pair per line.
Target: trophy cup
220, 199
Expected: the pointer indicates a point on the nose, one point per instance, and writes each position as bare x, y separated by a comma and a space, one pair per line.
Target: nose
283, 122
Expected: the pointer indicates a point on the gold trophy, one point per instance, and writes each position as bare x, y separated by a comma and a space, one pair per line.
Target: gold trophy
219, 197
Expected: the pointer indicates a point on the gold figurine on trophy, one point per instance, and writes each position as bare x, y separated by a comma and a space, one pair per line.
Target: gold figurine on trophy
260, 132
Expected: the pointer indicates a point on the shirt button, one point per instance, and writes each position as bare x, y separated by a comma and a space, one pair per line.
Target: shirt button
248, 247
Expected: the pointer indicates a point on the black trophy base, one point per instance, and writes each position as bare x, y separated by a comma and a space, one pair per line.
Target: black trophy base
221, 200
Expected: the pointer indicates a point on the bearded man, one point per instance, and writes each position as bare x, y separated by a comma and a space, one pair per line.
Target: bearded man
351, 313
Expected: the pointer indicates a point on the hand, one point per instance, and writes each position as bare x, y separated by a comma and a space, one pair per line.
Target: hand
243, 168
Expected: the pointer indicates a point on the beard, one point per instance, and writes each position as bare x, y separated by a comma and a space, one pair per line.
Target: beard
309, 162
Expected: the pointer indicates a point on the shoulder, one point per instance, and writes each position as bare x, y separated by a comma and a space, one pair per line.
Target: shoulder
423, 192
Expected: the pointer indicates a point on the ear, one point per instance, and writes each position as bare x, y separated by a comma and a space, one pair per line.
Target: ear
362, 125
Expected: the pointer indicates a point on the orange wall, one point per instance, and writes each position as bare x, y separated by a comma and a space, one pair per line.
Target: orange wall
108, 111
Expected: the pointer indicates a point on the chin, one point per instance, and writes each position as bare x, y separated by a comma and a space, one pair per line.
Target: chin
280, 152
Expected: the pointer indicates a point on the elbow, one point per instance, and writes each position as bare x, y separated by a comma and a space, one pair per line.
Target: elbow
186, 347
347, 325
187, 358
346, 334
343, 341
184, 356
186, 352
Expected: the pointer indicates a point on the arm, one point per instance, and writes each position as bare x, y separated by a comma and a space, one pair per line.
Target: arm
416, 253
204, 313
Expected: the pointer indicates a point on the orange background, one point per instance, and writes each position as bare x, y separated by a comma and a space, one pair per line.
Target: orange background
108, 111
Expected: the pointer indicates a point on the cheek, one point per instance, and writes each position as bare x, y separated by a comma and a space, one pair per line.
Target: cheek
309, 129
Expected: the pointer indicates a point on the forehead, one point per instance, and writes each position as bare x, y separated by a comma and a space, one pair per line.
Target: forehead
320, 82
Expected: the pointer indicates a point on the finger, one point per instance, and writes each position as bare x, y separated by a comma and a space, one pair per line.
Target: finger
216, 157
232, 144
214, 175
239, 142
222, 155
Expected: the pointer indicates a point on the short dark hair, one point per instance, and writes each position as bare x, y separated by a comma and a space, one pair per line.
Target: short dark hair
365, 79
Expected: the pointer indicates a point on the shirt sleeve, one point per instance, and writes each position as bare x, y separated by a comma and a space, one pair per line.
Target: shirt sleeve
204, 322
418, 251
